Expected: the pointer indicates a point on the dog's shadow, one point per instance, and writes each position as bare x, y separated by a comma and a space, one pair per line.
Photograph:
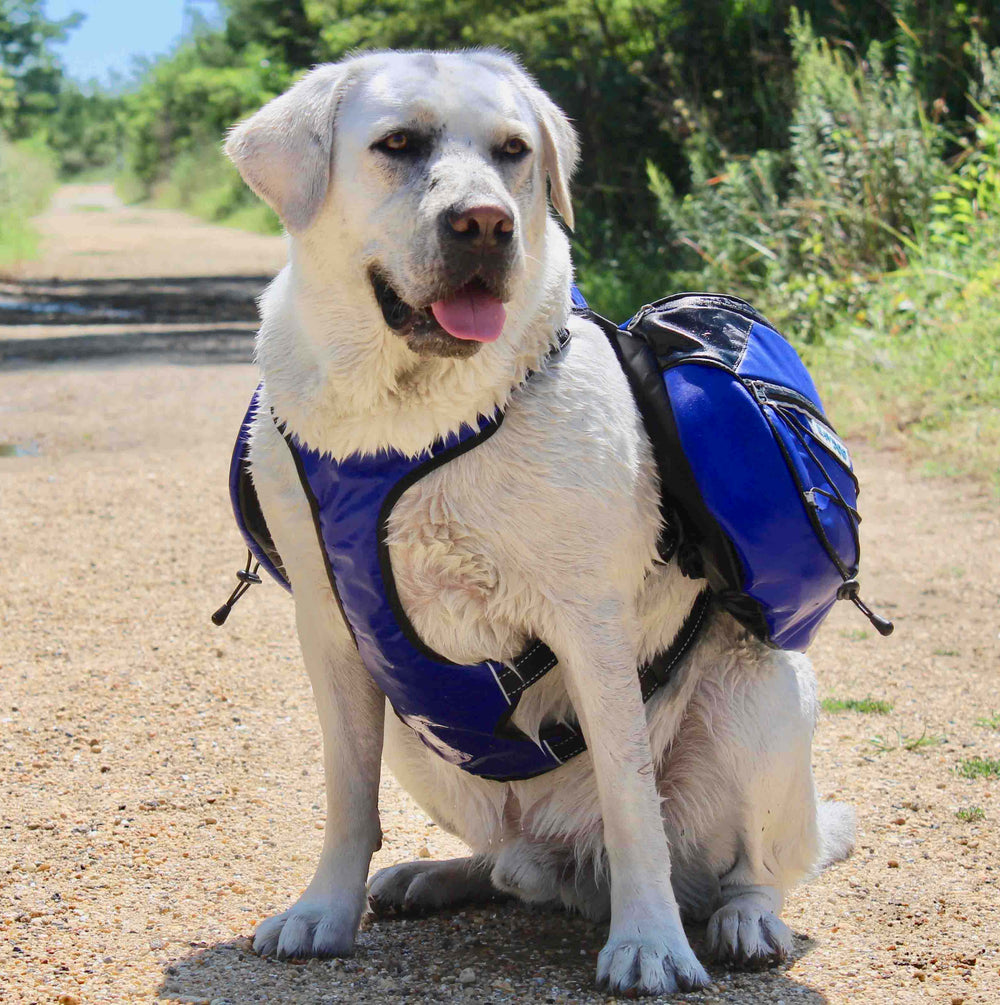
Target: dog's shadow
502, 953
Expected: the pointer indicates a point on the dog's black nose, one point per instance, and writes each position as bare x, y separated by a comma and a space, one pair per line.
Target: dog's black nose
484, 228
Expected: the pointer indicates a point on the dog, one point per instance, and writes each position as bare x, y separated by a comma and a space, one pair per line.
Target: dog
427, 287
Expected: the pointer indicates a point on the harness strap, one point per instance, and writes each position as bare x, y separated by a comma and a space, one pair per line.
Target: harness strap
565, 740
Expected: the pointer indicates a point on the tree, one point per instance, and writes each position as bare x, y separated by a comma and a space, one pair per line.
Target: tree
30, 72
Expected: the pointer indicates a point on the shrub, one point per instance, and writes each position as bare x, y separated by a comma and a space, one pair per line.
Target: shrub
809, 231
27, 180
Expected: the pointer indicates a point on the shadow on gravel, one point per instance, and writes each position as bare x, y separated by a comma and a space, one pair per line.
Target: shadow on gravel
216, 315
212, 346
167, 299
516, 954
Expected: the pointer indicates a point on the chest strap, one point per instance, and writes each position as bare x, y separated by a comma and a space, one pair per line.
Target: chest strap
564, 739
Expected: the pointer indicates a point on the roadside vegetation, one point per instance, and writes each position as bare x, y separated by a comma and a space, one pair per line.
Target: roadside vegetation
837, 162
50, 128
869, 705
28, 177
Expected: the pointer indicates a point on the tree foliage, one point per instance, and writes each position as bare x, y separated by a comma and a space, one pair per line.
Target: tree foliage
720, 137
30, 74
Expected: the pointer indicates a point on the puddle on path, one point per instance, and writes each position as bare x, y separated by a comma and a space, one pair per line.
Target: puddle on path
18, 449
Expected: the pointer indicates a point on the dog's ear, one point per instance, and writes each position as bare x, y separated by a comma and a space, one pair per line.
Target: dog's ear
284, 151
560, 151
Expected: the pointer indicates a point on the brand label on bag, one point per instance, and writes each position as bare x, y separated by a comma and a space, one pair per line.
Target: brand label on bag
830, 440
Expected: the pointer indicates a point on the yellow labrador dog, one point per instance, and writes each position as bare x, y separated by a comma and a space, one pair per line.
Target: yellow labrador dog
427, 287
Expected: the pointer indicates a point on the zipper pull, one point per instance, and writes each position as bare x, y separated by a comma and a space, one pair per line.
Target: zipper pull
849, 591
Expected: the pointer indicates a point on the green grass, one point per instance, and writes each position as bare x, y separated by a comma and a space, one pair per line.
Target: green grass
869, 705
971, 814
919, 367
979, 767
27, 180
914, 744
990, 722
203, 182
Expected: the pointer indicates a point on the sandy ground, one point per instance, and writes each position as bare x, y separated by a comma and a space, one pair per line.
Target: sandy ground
160, 779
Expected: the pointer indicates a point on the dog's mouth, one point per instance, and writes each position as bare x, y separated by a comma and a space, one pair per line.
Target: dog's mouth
456, 324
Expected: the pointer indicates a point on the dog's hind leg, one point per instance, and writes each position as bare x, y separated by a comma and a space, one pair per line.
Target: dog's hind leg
419, 887
540, 872
762, 752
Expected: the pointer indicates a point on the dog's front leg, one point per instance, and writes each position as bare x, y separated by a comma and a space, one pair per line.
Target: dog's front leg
324, 921
647, 951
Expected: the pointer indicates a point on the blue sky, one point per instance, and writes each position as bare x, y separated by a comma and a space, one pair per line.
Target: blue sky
117, 30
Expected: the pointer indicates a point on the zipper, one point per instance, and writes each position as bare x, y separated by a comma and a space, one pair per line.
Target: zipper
776, 394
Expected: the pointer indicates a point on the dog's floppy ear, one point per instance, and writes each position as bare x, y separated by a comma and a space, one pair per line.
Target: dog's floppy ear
284, 151
560, 151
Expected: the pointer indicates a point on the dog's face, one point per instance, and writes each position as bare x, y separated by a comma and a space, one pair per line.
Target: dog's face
428, 171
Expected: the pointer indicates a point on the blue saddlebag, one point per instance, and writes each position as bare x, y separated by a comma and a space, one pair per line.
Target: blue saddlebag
756, 482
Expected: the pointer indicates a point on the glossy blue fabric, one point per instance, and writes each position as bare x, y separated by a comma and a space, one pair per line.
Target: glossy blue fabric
743, 453
459, 711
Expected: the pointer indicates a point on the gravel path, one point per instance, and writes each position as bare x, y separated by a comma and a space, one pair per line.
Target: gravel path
160, 784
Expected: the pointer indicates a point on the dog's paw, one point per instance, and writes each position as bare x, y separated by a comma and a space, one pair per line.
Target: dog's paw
745, 935
307, 929
419, 887
649, 966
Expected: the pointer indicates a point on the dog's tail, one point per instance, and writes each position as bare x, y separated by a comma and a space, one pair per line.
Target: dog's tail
836, 833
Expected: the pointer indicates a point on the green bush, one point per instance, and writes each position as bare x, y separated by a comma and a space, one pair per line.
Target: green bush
919, 361
807, 232
27, 179
202, 181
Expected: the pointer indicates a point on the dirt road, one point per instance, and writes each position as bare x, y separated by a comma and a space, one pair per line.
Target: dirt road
160, 779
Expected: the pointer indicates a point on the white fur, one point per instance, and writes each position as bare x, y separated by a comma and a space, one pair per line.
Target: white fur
703, 801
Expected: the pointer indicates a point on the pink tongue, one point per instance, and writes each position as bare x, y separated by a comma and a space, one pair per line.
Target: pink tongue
471, 314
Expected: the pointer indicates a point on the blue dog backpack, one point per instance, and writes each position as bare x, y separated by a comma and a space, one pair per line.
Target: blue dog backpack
759, 494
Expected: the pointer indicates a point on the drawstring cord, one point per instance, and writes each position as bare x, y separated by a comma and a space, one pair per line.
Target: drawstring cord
247, 577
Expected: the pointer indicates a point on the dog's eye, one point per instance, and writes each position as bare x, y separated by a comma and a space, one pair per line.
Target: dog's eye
514, 147
395, 143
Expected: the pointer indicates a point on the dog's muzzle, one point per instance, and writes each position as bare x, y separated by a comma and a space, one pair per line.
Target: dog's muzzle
454, 324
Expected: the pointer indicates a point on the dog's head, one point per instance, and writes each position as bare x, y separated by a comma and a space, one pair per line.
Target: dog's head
424, 175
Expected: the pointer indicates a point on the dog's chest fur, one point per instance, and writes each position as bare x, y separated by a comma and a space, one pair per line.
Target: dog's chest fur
563, 492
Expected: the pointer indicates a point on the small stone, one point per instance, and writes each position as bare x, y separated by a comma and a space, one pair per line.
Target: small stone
893, 864
424, 852
68, 1000
467, 976
211, 820
95, 748
957, 1000
157, 943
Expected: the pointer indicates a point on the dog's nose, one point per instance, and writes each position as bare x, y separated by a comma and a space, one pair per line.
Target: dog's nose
481, 227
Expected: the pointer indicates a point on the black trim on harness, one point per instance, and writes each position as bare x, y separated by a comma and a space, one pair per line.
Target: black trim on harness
314, 509
385, 564
253, 515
